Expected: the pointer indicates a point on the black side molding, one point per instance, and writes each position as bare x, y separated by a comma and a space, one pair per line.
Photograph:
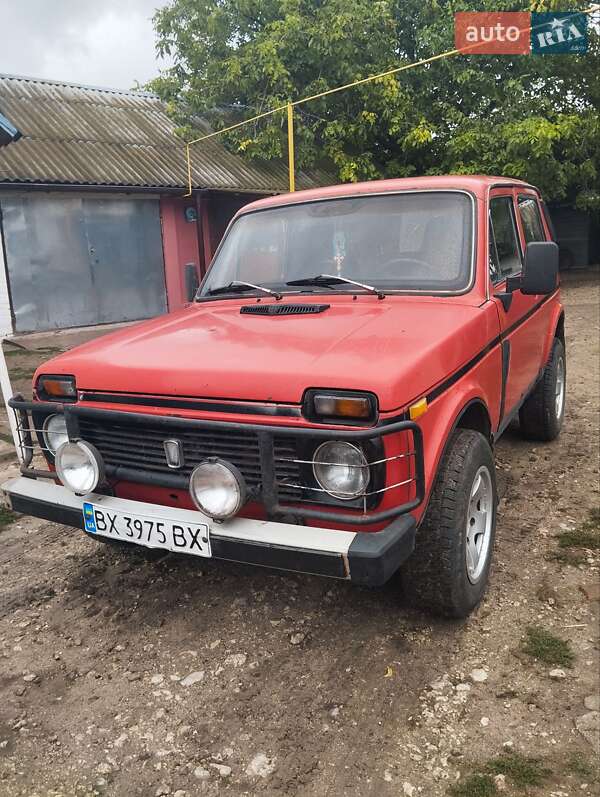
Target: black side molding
374, 557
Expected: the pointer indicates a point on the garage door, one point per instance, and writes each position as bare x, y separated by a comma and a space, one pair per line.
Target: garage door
75, 260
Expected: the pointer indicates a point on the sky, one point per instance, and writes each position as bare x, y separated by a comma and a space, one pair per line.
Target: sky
96, 42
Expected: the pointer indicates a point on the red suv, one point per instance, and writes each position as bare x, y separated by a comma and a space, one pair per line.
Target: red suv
330, 401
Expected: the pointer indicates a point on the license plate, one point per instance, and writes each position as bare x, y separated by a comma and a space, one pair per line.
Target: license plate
151, 532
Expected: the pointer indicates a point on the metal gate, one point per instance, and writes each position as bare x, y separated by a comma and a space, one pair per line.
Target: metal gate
77, 260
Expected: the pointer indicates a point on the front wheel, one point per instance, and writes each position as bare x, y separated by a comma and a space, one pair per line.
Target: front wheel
541, 416
449, 569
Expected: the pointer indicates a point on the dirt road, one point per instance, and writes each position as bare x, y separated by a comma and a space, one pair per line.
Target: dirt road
120, 676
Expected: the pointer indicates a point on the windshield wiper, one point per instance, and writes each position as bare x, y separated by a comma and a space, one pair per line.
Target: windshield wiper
242, 286
330, 279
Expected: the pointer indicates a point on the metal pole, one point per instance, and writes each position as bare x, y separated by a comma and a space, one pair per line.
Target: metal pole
291, 162
7, 393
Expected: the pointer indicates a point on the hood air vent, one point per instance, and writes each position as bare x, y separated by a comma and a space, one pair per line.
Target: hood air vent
283, 309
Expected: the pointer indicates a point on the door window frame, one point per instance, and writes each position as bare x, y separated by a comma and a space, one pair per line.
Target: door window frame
529, 195
502, 193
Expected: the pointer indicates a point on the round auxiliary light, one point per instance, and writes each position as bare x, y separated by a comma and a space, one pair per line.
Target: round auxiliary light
217, 488
79, 467
55, 432
341, 469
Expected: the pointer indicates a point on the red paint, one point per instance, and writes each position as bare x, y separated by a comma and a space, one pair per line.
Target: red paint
401, 349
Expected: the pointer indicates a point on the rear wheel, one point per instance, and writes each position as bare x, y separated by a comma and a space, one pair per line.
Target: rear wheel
448, 571
541, 416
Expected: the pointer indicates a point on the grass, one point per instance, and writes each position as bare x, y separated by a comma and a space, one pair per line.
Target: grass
542, 645
585, 535
7, 516
578, 764
475, 785
521, 770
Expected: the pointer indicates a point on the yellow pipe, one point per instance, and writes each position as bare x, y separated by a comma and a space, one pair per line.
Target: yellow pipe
238, 124
291, 160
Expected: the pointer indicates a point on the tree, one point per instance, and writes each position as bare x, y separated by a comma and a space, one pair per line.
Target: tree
531, 117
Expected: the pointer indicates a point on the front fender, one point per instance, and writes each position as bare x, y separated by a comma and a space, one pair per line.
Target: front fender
483, 385
558, 313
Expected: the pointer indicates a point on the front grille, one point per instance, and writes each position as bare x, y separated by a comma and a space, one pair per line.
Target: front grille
140, 446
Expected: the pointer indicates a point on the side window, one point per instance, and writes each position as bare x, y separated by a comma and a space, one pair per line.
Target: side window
503, 234
529, 212
493, 255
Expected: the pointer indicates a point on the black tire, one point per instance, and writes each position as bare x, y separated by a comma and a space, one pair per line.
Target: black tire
436, 575
538, 417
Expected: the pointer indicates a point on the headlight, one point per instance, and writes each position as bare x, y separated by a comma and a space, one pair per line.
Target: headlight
217, 488
341, 469
79, 467
55, 432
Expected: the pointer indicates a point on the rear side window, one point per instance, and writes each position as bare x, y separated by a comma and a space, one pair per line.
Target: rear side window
505, 254
529, 212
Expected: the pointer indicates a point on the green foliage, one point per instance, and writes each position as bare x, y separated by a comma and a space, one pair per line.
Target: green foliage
7, 516
523, 771
542, 645
533, 117
585, 535
475, 785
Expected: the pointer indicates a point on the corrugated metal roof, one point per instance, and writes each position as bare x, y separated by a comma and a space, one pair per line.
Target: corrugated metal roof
83, 135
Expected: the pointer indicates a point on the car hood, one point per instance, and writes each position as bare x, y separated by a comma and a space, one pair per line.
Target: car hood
397, 348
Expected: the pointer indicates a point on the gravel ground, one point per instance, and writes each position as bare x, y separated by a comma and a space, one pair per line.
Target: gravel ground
122, 676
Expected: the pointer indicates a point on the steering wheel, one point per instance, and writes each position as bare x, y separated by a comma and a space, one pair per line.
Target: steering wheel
390, 264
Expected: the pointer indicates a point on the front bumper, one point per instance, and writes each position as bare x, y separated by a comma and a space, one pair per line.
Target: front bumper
367, 558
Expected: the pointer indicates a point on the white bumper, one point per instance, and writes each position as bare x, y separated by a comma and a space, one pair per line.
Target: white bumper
365, 557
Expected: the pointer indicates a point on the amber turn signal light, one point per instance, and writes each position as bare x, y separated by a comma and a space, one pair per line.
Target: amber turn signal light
55, 388
417, 409
342, 407
333, 406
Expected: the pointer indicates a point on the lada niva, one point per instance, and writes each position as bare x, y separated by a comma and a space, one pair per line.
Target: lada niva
330, 401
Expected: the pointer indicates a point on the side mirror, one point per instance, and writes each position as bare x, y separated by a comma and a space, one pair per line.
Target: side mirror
540, 270
191, 281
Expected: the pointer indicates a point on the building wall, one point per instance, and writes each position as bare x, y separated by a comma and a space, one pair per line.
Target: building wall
188, 245
181, 248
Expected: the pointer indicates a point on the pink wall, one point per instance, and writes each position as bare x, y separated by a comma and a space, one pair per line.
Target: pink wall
180, 246
193, 241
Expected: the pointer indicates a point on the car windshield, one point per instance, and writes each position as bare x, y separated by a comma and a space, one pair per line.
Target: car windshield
419, 241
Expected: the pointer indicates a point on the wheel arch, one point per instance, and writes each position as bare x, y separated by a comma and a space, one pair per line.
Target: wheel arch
556, 329
473, 414
559, 330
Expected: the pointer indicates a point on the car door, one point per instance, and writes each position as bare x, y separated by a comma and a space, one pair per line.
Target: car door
520, 324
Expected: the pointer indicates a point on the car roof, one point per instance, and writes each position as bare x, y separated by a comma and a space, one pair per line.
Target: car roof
477, 184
